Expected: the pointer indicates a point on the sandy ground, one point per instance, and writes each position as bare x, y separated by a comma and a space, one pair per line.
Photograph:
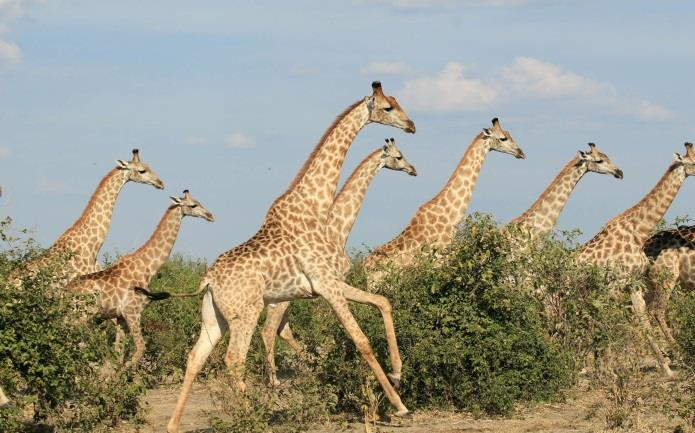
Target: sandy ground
584, 411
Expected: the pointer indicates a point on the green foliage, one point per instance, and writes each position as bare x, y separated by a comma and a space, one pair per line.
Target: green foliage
292, 408
171, 327
51, 357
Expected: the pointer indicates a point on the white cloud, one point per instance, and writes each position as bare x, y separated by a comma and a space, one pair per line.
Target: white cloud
238, 140
9, 53
387, 68
534, 77
526, 79
195, 141
449, 90
54, 187
5, 152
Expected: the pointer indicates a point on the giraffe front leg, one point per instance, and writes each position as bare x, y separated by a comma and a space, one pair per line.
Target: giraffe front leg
132, 319
274, 319
211, 329
241, 329
384, 306
119, 341
639, 308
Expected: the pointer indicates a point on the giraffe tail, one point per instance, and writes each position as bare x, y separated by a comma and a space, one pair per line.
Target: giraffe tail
204, 284
152, 296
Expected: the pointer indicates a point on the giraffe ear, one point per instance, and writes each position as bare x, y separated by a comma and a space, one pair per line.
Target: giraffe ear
583, 155
121, 165
175, 200
677, 157
487, 132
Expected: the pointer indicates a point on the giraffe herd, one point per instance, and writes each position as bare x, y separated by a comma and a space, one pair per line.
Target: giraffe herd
299, 249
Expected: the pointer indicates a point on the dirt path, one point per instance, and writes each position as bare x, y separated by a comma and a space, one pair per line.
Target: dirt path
583, 413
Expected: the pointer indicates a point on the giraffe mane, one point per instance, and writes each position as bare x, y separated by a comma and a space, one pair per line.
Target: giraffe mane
312, 155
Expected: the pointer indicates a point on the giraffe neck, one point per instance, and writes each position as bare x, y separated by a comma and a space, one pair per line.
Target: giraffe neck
91, 227
158, 247
348, 202
452, 200
313, 189
642, 218
542, 216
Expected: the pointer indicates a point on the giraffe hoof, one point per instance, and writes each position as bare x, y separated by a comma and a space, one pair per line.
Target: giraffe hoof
395, 380
404, 414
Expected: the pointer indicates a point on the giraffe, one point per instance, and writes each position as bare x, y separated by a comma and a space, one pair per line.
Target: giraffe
621, 241
538, 221
673, 253
434, 223
121, 288
83, 240
291, 257
342, 215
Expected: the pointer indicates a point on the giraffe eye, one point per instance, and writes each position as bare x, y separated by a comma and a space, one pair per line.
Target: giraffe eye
399, 157
503, 138
142, 171
193, 205
599, 161
387, 109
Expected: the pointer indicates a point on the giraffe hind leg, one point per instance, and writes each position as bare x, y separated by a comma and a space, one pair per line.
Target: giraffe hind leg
384, 306
276, 315
332, 291
212, 327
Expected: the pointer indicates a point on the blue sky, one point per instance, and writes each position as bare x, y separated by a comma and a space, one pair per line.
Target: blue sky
228, 98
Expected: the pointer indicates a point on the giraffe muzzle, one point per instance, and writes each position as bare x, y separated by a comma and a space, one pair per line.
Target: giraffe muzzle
409, 127
618, 174
520, 154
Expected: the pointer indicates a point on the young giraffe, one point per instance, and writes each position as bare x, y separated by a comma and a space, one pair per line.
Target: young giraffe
120, 287
621, 241
291, 257
434, 223
83, 240
673, 252
538, 221
341, 218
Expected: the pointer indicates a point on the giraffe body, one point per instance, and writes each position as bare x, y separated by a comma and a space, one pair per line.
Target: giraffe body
434, 223
343, 213
620, 243
290, 257
120, 289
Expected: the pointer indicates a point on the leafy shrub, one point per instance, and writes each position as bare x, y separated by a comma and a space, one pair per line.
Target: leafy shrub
51, 357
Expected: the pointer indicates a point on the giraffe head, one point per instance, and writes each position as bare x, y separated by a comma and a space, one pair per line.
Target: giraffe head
385, 110
687, 160
393, 159
598, 162
501, 140
139, 172
191, 206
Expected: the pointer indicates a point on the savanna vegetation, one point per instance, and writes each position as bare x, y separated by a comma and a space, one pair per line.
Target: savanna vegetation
480, 329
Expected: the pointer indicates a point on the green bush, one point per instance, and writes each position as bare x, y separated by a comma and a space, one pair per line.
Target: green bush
51, 357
